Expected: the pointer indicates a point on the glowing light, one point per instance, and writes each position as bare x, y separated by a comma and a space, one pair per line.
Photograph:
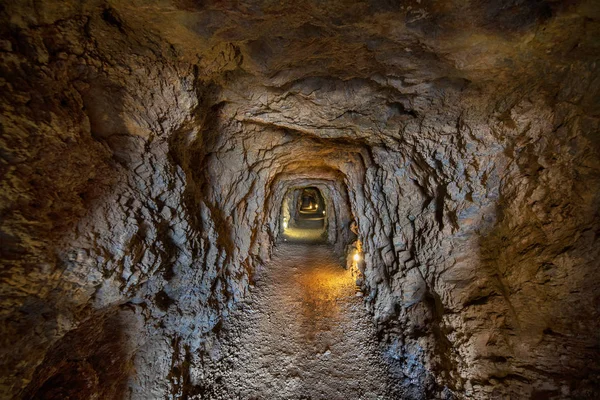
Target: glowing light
284, 225
356, 257
316, 206
323, 212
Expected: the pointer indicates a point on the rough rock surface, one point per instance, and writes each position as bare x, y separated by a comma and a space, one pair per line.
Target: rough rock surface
146, 148
303, 333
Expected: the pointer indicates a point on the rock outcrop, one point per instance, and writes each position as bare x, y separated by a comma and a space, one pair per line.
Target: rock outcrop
147, 147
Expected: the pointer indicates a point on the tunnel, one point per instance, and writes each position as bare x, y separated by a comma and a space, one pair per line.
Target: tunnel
252, 199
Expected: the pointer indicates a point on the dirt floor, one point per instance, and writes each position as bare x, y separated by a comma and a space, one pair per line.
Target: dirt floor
306, 230
304, 333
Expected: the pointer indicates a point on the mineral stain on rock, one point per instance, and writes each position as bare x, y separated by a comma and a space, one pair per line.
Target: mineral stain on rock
299, 200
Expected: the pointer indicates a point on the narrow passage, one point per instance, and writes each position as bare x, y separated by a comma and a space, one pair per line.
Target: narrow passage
304, 334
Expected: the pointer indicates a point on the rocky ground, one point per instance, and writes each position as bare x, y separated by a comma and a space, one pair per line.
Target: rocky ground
304, 333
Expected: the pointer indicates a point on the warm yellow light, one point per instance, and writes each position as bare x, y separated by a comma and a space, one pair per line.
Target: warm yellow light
284, 225
316, 206
323, 212
356, 257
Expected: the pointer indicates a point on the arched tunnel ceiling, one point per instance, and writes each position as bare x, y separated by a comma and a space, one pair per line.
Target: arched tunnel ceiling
411, 45
311, 169
368, 70
411, 41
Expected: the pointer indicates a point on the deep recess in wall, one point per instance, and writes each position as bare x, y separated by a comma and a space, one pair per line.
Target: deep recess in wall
255, 199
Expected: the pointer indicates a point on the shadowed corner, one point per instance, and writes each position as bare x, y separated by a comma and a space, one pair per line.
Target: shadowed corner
93, 361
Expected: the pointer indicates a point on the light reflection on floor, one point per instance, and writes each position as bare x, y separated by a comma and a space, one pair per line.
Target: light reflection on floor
304, 235
305, 333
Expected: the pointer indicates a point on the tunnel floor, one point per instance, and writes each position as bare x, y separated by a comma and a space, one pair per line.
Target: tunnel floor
304, 334
308, 229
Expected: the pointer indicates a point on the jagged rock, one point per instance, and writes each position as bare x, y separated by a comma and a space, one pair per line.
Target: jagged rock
147, 147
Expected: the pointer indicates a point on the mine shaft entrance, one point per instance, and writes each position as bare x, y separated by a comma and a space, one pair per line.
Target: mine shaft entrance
304, 213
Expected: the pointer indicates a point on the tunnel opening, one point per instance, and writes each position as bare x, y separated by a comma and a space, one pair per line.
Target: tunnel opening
310, 209
327, 189
304, 216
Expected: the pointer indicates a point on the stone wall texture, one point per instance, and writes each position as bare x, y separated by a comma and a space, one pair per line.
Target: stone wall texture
146, 148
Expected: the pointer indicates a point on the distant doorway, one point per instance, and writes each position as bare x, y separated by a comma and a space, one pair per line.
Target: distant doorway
305, 215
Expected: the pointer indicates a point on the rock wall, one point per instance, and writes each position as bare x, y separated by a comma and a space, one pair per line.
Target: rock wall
109, 253
444, 202
147, 148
